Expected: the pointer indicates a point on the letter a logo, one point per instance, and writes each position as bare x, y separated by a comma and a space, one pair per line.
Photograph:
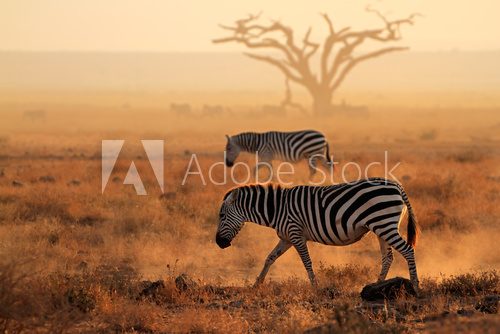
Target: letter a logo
110, 152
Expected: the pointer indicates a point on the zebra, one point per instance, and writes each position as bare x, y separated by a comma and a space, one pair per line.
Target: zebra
286, 146
336, 215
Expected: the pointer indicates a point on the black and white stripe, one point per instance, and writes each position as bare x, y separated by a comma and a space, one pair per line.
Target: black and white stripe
286, 146
333, 215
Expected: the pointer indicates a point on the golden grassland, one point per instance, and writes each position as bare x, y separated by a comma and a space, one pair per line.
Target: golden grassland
76, 260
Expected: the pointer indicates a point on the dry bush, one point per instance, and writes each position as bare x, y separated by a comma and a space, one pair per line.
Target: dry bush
119, 277
8, 206
131, 222
32, 303
167, 294
8, 198
122, 315
38, 204
347, 320
469, 156
436, 187
429, 135
455, 287
440, 220
59, 301
471, 284
14, 305
342, 279
207, 321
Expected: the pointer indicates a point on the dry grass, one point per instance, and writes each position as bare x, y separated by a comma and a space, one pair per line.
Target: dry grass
75, 260
116, 299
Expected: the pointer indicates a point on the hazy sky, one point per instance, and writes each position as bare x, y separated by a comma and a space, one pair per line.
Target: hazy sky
166, 25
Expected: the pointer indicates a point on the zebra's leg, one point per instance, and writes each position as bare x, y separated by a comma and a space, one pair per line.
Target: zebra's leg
301, 247
392, 237
387, 258
279, 250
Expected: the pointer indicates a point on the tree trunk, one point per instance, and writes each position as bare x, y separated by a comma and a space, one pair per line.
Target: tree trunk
322, 102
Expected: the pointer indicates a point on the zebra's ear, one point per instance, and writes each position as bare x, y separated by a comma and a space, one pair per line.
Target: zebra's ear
233, 195
228, 138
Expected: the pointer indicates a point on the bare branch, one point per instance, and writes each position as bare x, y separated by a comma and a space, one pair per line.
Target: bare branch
306, 40
392, 28
265, 43
343, 55
330, 41
370, 9
352, 39
327, 47
307, 43
254, 35
329, 23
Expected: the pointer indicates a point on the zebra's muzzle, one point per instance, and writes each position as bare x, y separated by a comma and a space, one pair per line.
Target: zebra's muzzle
222, 242
229, 163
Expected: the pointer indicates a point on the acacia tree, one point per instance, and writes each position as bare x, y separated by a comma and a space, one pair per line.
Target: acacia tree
337, 55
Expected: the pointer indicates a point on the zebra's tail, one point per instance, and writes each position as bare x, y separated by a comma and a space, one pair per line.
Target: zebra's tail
413, 229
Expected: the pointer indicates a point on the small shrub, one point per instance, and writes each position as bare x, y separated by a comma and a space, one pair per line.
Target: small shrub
82, 299
341, 278
441, 220
429, 135
436, 187
117, 278
131, 222
43, 206
89, 220
348, 320
53, 238
469, 156
8, 199
471, 284
11, 299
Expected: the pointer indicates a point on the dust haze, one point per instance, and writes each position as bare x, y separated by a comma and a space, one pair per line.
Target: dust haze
448, 162
75, 258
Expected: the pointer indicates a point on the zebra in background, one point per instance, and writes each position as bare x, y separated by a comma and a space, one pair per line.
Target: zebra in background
287, 146
336, 215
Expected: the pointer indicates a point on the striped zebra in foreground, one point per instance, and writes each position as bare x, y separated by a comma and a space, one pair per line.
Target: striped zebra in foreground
336, 215
287, 146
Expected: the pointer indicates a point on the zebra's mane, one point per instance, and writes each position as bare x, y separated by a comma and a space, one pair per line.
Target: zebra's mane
248, 133
247, 141
241, 135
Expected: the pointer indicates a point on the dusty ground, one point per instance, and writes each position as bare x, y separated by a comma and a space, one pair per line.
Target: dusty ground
76, 260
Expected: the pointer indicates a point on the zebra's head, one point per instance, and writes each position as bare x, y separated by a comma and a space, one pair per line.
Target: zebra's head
230, 220
232, 151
